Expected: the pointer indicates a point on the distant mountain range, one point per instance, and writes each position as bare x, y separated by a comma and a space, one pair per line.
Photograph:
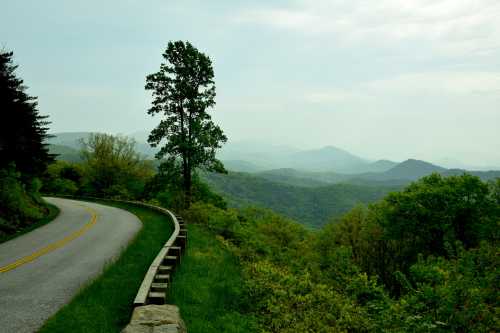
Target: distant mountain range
329, 158
400, 174
309, 168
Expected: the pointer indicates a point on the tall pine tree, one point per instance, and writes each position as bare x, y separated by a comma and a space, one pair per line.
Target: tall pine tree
22, 129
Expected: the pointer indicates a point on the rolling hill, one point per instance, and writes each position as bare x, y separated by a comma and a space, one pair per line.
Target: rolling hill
312, 206
401, 174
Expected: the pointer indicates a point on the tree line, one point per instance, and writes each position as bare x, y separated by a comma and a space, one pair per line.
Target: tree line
24, 156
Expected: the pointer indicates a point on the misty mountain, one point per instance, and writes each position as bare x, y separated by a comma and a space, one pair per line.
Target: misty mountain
250, 156
379, 166
326, 159
410, 169
401, 174
241, 166
288, 165
263, 156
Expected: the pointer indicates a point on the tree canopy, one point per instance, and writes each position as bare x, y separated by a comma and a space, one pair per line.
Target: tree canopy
113, 167
22, 129
183, 89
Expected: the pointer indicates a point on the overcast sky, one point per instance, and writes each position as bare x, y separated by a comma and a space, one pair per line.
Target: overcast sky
382, 79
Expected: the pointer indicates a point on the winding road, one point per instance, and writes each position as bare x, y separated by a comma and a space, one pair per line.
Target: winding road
42, 270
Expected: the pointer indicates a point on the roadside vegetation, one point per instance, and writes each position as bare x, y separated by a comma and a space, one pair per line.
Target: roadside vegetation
106, 303
421, 260
53, 212
23, 155
208, 287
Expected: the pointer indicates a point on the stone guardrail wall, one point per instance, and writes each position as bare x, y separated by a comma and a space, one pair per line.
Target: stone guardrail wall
151, 314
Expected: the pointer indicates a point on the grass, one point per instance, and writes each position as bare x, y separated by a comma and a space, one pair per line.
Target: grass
52, 214
105, 304
208, 287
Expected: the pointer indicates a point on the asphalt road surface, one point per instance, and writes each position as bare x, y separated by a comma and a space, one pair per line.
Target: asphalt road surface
42, 270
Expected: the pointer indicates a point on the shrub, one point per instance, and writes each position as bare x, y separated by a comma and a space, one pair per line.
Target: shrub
18, 207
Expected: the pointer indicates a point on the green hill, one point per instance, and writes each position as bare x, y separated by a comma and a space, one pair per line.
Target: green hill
312, 206
65, 153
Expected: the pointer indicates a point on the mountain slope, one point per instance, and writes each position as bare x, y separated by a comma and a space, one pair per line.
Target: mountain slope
412, 169
326, 159
241, 166
308, 205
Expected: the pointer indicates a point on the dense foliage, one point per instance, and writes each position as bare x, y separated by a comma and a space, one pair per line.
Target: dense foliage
182, 91
113, 168
23, 154
366, 272
20, 204
312, 206
209, 288
110, 168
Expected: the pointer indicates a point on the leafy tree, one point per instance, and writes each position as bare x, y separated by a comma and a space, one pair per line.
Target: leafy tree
183, 89
165, 189
63, 178
112, 167
431, 216
22, 129
437, 210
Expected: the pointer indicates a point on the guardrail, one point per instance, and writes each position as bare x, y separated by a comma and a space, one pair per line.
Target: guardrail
154, 286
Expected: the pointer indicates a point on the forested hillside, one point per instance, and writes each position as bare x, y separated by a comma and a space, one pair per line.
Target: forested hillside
421, 260
313, 206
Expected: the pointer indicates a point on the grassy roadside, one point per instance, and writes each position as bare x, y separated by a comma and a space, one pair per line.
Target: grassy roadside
105, 304
52, 214
208, 287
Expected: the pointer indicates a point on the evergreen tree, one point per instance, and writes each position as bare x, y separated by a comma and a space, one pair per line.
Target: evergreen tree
183, 90
22, 129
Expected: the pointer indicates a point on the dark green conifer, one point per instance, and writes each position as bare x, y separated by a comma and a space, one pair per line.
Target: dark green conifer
22, 129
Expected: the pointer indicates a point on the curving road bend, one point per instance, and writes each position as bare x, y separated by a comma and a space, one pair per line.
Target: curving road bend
42, 270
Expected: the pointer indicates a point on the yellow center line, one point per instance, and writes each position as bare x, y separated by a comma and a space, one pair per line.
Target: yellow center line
54, 246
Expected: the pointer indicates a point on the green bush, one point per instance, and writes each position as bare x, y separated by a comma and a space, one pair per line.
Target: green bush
63, 178
459, 294
20, 205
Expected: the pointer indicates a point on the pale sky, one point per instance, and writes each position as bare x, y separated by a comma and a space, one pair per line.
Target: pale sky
382, 79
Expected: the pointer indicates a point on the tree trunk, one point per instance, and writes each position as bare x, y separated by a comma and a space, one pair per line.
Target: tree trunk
186, 171
187, 182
